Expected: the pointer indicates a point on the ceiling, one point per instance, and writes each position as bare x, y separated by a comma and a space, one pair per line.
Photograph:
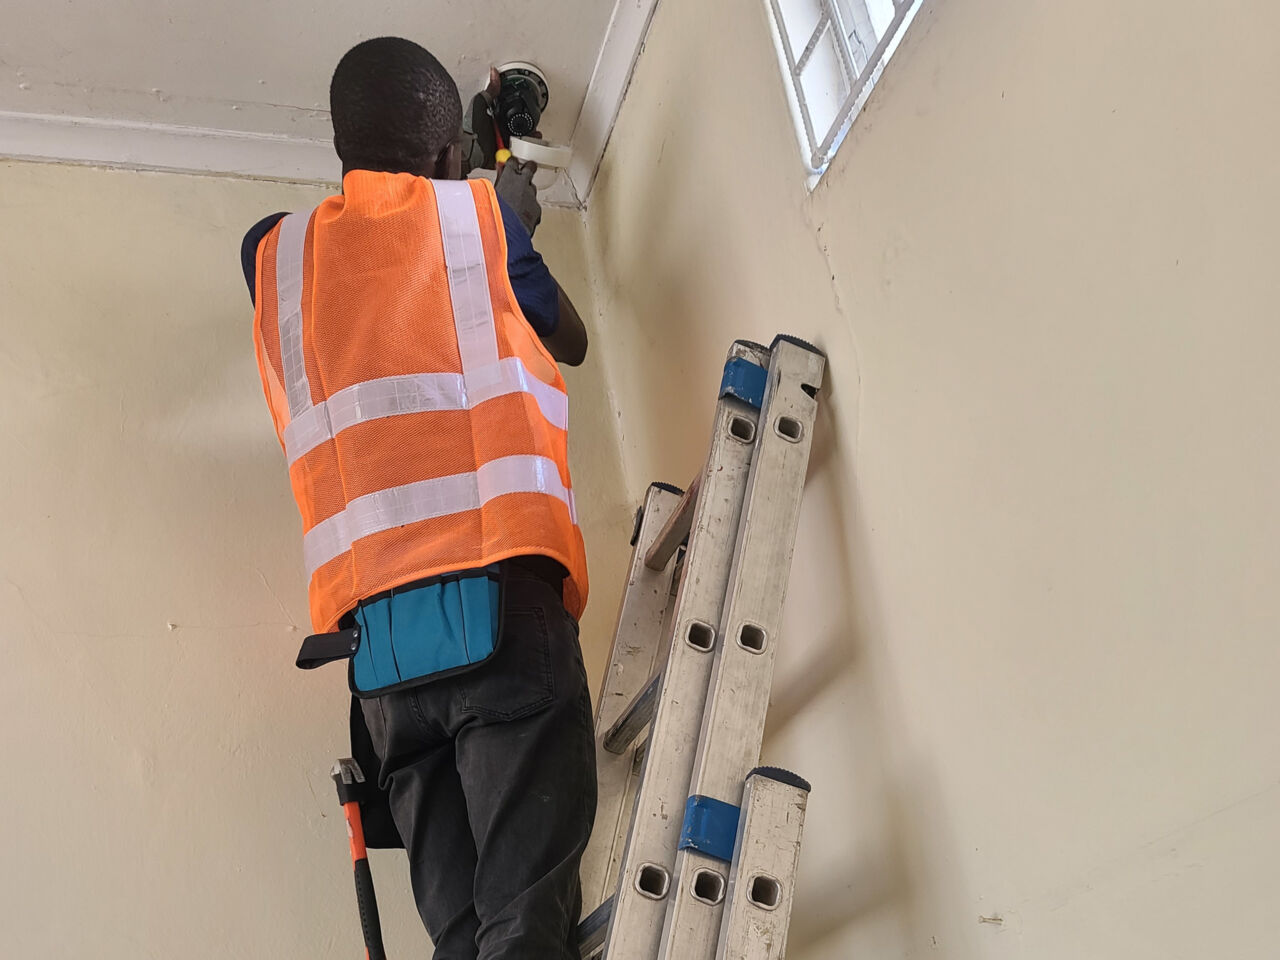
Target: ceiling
262, 67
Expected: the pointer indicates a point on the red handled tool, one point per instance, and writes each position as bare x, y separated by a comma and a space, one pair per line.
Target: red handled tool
350, 779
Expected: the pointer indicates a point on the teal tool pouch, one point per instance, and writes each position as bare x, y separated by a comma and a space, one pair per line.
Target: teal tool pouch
416, 633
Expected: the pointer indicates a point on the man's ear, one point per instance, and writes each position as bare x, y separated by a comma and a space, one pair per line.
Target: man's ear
449, 163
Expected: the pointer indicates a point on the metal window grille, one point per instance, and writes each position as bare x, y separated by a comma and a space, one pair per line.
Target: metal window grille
833, 52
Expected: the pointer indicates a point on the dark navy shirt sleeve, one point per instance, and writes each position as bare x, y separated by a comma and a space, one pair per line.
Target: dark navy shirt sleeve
535, 290
249, 250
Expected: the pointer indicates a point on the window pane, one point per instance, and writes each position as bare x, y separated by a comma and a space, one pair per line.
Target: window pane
881, 13
824, 83
837, 47
859, 30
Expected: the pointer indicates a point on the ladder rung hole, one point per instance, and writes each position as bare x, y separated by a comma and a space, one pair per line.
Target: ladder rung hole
789, 428
765, 892
740, 428
708, 886
701, 636
652, 881
752, 638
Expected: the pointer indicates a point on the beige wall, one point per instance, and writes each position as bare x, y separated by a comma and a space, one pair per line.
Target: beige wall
1031, 657
166, 788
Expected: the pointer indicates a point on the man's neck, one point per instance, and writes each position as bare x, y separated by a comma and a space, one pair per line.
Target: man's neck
374, 169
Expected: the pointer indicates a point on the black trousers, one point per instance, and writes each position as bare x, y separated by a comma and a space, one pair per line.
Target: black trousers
491, 780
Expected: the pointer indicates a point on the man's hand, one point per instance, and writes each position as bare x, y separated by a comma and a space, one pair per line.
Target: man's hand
515, 186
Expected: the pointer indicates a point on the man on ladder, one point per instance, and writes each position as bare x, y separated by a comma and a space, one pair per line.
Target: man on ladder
424, 423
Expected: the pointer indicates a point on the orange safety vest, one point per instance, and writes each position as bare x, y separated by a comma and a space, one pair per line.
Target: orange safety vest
424, 423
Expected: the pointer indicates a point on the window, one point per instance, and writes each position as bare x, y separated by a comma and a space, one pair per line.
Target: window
833, 51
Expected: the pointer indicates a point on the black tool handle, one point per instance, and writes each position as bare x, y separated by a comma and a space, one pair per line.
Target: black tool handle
368, 904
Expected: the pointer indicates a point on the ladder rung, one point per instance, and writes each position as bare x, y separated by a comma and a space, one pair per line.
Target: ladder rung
591, 931
675, 530
634, 718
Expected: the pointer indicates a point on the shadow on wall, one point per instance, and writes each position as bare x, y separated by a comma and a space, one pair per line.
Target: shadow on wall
669, 331
156, 598
873, 816
682, 271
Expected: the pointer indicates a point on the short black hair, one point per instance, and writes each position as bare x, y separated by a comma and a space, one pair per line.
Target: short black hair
394, 107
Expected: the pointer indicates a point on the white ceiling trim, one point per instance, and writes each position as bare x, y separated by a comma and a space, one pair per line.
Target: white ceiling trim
171, 147
160, 146
623, 41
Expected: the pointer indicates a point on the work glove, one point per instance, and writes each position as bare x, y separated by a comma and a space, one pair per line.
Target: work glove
515, 186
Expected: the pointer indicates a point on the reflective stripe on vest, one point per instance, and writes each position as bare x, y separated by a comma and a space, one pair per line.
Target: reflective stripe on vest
417, 393
428, 499
293, 238
484, 376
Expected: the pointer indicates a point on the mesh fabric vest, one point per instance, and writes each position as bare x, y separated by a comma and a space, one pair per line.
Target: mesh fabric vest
423, 422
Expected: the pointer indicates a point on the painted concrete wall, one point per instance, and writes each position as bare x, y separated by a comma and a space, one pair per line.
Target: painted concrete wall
1029, 657
1030, 661
165, 766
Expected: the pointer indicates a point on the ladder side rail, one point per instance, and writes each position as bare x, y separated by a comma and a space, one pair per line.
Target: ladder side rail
765, 858
636, 650
644, 877
637, 768
738, 697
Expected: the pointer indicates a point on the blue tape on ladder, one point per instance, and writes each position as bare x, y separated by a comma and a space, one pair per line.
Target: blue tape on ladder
710, 827
744, 380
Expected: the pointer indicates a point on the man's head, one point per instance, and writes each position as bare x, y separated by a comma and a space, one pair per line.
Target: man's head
395, 108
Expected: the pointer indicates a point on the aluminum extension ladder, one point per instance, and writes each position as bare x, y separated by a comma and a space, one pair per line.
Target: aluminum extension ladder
694, 850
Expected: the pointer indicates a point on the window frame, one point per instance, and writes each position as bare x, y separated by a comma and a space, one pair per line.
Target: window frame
861, 82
